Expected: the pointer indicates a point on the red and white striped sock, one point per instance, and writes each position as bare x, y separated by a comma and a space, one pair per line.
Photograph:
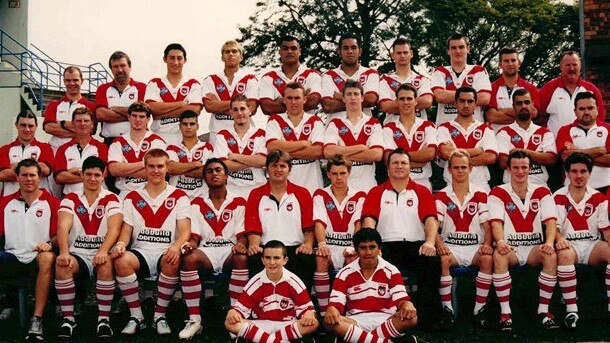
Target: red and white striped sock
255, 334
356, 335
191, 292
387, 330
165, 290
566, 275
289, 332
104, 292
66, 295
321, 284
445, 291
237, 282
482, 284
503, 284
546, 284
129, 287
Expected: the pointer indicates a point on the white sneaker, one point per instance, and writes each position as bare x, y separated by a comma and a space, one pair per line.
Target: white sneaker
162, 326
133, 326
192, 328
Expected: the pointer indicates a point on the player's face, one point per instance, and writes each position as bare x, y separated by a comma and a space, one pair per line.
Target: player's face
83, 125
578, 175
231, 56
189, 127
509, 63
120, 70
350, 52
73, 82
586, 111
156, 169
460, 169
399, 167
28, 179
523, 106
402, 55
175, 61
295, 101
406, 101
458, 51
290, 52
338, 176
368, 252
215, 176
26, 129
519, 170
138, 120
465, 104
353, 99
570, 67
274, 262
278, 171
240, 112
93, 179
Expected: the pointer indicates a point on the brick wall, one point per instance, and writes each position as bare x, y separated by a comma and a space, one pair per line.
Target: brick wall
597, 46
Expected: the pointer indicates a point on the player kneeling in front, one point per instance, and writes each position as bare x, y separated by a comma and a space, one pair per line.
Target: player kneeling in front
371, 293
275, 300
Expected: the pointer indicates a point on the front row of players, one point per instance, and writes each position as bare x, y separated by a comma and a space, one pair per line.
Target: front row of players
155, 223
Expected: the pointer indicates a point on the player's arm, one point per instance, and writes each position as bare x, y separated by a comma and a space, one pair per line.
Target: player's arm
498, 235
161, 109
288, 146
213, 104
181, 168
183, 228
313, 152
234, 165
370, 100
8, 175
543, 158
177, 112
312, 101
334, 104
320, 233
602, 160
347, 151
483, 159
64, 224
486, 247
445, 149
500, 116
269, 106
123, 241
114, 114
593, 152
421, 157
69, 177
57, 130
406, 310
483, 98
440, 246
368, 155
254, 244
551, 232
124, 169
424, 102
431, 231
307, 246
389, 106
444, 96
254, 161
114, 223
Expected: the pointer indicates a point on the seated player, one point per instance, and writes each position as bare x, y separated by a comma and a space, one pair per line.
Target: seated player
157, 223
217, 242
465, 238
369, 302
337, 211
89, 222
274, 305
582, 218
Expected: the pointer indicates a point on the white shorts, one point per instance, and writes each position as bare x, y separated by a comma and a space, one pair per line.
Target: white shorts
88, 261
271, 326
583, 250
370, 321
152, 258
464, 254
523, 252
217, 255
336, 255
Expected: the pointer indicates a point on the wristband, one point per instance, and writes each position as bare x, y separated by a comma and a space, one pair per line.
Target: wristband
50, 243
183, 247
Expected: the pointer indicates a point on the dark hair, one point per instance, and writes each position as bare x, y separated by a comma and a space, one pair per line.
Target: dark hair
406, 87
338, 160
215, 160
517, 154
237, 98
507, 50
188, 114
139, 106
349, 83
295, 85
520, 92
71, 69
80, 111
174, 46
457, 36
26, 114
401, 41
398, 151
274, 244
92, 162
578, 157
117, 55
350, 36
289, 38
584, 95
28, 162
278, 156
465, 89
366, 234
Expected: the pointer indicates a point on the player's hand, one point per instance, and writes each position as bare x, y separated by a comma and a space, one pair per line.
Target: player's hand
118, 250
187, 248
172, 255
338, 96
308, 318
100, 258
240, 248
323, 250
349, 254
305, 249
212, 96
406, 310
547, 248
503, 247
64, 260
43, 247
442, 249
427, 249
569, 146
234, 317
486, 249
562, 244
446, 149
332, 316
254, 249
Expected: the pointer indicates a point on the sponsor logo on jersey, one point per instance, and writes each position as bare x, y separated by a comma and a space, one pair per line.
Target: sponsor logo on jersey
209, 215
448, 80
231, 141
477, 134
343, 131
99, 211
451, 206
330, 206
397, 134
169, 203
181, 153
163, 91
395, 84
184, 90
226, 215
454, 133
337, 80
515, 139
286, 130
536, 139
350, 207
534, 205
126, 148
278, 82
419, 136
220, 88
141, 204
511, 206
81, 209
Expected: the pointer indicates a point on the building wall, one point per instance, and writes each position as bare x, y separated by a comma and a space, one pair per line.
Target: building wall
597, 46
14, 21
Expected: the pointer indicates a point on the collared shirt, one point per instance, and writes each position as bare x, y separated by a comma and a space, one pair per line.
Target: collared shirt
334, 80
462, 223
338, 218
273, 83
202, 151
62, 109
71, 155
14, 152
390, 82
584, 220
218, 227
108, 95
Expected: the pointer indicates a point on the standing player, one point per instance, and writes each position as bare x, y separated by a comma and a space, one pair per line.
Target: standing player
301, 135
336, 213
242, 148
273, 83
171, 95
389, 83
371, 294
518, 212
334, 80
357, 137
447, 79
88, 226
465, 238
582, 219
156, 225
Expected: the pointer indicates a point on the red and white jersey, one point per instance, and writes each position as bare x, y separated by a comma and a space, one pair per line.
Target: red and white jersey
597, 136
462, 223
273, 83
502, 95
389, 83
333, 81
218, 227
161, 90
284, 219
558, 103
62, 109
284, 300
154, 220
71, 155
202, 151
14, 152
522, 219
125, 150
400, 216
444, 77
534, 138
89, 222
583, 221
305, 172
367, 131
422, 135
338, 218
108, 95
477, 135
252, 143
382, 292
24, 227
244, 83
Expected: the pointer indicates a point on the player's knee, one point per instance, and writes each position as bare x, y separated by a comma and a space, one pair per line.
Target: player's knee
190, 262
445, 261
486, 263
565, 257
104, 271
240, 261
45, 260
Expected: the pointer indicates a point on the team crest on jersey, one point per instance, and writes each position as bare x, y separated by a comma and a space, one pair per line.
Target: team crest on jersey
599, 134
511, 206
454, 133
397, 134
34, 156
141, 204
240, 88
181, 154
278, 82
477, 134
362, 79
588, 209
169, 203
145, 145
231, 141
197, 155
251, 144
330, 206
99, 211
419, 136
469, 79
306, 129
350, 207
284, 304
39, 213
534, 205
368, 129
184, 90
163, 91
132, 96
301, 80
226, 215
515, 139
471, 208
451, 206
286, 130
126, 148
209, 215
409, 202
81, 209
342, 131
536, 139
416, 83
381, 290
220, 88
289, 207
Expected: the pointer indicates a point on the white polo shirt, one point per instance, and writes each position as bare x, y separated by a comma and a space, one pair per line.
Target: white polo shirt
582, 221
15, 152
389, 83
338, 218
108, 95
218, 227
202, 151
62, 109
333, 82
70, 156
462, 223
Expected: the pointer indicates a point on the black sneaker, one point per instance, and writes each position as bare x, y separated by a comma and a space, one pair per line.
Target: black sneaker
570, 320
103, 329
480, 318
66, 329
547, 320
506, 324
447, 316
